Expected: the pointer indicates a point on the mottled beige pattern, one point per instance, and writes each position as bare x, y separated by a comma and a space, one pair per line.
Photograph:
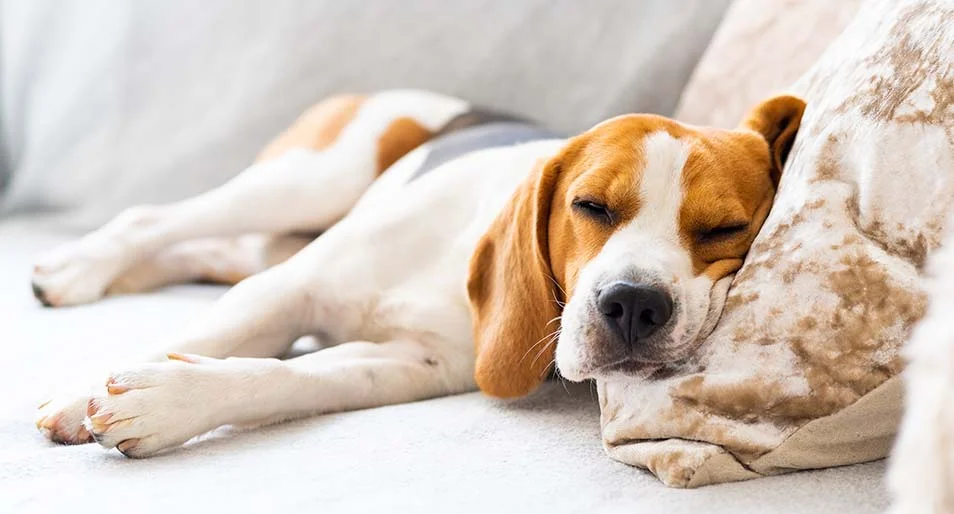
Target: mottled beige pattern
832, 286
762, 46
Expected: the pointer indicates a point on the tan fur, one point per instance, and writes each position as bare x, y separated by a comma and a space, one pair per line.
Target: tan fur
402, 135
528, 262
735, 160
317, 128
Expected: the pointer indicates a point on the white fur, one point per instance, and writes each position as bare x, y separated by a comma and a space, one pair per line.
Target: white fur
921, 476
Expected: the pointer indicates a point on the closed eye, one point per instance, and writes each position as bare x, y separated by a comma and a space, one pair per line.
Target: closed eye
595, 210
721, 233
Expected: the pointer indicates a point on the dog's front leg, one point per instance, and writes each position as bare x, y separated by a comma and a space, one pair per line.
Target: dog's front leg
260, 317
161, 405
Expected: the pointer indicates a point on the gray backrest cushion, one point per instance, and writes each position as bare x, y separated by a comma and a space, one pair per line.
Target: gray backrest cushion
107, 104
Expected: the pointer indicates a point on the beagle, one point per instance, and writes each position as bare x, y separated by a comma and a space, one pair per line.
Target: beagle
606, 254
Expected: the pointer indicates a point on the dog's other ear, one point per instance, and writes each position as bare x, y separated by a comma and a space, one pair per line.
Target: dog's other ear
512, 296
777, 120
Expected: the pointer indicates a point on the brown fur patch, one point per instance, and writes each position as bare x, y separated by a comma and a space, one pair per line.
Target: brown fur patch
401, 136
317, 128
739, 173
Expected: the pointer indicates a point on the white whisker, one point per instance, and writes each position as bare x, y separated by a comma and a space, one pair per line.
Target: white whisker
551, 364
550, 342
562, 292
542, 339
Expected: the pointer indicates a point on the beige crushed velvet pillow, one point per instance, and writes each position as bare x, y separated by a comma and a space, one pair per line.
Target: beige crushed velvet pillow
761, 46
801, 370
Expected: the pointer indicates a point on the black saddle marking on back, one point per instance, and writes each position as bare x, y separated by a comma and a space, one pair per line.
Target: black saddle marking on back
478, 116
479, 129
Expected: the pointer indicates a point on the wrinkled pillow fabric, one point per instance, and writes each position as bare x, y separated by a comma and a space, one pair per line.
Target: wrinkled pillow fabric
801, 370
760, 46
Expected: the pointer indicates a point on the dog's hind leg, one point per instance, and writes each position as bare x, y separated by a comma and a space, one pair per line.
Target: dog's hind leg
306, 180
225, 261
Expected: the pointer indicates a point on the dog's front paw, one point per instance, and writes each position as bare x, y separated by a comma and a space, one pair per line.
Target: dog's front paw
156, 406
61, 420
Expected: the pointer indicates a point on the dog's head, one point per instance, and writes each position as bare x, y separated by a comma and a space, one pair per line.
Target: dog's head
620, 248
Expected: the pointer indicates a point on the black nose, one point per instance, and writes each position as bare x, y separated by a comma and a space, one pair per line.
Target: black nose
636, 311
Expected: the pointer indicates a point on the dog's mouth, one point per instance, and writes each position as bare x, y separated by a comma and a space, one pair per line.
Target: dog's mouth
640, 365
629, 367
605, 363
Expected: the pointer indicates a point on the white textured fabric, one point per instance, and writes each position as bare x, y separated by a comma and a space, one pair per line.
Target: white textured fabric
463, 454
761, 47
107, 104
922, 465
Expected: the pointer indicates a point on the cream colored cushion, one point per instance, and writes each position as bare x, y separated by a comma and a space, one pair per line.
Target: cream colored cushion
799, 371
760, 47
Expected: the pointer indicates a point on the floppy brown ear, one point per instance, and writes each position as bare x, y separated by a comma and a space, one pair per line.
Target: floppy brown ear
512, 296
777, 120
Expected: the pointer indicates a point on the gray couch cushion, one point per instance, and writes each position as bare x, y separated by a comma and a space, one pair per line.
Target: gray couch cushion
107, 104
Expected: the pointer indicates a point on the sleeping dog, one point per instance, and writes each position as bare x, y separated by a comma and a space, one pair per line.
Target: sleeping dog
443, 228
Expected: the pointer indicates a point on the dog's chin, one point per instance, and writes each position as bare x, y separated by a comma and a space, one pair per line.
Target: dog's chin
592, 360
603, 365
627, 369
